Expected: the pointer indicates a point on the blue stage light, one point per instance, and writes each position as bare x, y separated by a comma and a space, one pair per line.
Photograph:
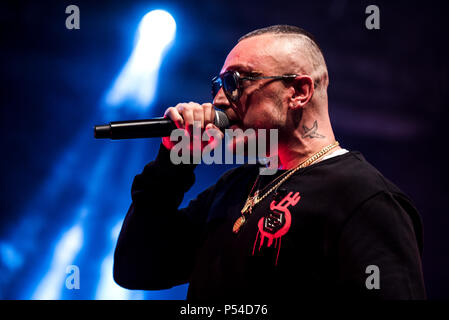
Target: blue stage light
65, 252
10, 256
136, 84
76, 189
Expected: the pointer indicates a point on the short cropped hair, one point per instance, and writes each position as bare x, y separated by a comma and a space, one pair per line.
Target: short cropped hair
282, 29
308, 42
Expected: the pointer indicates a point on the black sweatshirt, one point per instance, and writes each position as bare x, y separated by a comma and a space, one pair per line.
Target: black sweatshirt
319, 236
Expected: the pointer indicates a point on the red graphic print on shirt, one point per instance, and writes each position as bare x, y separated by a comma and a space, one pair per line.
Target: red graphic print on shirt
276, 223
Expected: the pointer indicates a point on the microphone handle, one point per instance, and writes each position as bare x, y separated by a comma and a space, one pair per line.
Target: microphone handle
148, 128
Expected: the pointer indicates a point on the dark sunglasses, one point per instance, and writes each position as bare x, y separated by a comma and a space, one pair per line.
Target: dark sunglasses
231, 81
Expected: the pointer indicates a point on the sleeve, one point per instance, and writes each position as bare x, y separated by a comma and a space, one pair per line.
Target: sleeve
378, 252
157, 243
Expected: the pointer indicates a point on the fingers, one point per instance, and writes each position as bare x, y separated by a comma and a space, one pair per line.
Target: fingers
173, 114
213, 131
186, 112
214, 134
189, 115
209, 113
197, 116
186, 115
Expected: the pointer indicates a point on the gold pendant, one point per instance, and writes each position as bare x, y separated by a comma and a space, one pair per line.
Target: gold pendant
255, 198
238, 224
250, 202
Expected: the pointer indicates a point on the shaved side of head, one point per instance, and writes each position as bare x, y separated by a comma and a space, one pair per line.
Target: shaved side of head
303, 46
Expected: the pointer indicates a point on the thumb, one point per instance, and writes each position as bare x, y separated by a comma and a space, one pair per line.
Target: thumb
215, 135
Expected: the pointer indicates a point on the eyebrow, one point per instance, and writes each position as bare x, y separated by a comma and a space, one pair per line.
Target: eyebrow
239, 67
242, 68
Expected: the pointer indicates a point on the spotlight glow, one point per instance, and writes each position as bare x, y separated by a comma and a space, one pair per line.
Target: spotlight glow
65, 252
136, 84
107, 289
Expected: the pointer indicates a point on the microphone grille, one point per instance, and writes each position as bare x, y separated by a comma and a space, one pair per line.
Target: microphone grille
221, 120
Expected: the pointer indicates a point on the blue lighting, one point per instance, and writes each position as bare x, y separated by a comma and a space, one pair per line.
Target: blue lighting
66, 250
107, 289
10, 256
74, 217
136, 84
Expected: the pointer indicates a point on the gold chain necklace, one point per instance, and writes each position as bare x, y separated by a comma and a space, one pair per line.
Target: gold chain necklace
251, 201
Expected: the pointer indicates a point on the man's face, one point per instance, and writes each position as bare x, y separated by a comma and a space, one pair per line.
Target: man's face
263, 103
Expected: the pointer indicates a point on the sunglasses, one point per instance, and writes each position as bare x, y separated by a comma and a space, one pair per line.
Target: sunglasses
231, 81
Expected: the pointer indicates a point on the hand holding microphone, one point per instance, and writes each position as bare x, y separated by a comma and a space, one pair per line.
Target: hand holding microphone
176, 117
189, 116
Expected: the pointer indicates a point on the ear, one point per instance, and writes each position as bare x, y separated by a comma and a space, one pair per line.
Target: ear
303, 91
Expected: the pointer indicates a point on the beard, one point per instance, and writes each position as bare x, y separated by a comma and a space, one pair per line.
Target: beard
254, 137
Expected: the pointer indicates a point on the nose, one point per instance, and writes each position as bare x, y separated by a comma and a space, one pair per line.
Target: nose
220, 100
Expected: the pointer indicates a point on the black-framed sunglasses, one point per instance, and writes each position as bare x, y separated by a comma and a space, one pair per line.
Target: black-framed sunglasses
231, 81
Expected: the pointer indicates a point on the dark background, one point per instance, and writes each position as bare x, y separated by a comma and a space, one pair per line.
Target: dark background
388, 98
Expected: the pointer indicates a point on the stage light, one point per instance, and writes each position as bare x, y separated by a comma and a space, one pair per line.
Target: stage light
66, 249
107, 289
136, 83
10, 256
134, 87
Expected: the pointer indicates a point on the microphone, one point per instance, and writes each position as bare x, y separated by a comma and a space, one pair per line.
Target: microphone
147, 128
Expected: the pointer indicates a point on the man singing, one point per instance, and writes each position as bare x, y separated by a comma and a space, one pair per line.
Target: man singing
327, 225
